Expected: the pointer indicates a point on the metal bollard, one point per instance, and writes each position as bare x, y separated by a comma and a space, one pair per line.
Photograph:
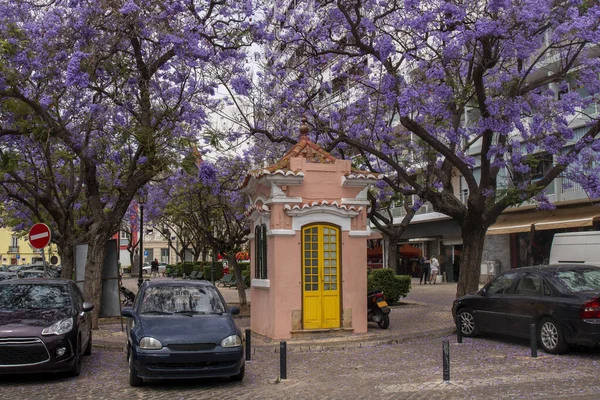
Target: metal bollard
446, 357
282, 360
458, 329
533, 337
248, 344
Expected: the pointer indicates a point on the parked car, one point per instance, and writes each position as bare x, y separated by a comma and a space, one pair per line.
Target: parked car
563, 301
7, 275
31, 273
45, 326
147, 269
182, 329
17, 268
51, 272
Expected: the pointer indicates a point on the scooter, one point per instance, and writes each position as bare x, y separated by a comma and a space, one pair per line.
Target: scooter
377, 309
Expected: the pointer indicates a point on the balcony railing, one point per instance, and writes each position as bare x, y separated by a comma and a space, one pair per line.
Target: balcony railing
13, 249
569, 186
401, 212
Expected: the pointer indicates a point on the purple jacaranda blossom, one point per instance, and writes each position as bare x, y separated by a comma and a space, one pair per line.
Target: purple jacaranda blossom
129, 7
75, 76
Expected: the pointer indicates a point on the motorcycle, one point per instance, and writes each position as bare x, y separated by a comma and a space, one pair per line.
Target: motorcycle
377, 309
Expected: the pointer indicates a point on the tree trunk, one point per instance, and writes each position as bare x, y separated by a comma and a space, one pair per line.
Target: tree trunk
92, 289
239, 279
473, 236
392, 253
66, 261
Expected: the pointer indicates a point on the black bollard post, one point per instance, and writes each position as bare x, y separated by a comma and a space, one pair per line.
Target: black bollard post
446, 356
282, 360
458, 329
533, 337
248, 344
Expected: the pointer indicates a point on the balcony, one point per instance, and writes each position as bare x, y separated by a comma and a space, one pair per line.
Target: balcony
13, 249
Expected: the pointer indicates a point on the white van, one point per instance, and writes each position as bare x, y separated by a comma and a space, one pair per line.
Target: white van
576, 248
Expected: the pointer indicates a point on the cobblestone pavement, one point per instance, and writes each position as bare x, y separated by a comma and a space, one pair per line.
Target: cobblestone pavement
485, 368
403, 362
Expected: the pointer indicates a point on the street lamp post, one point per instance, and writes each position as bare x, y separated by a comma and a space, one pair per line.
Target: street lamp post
141, 201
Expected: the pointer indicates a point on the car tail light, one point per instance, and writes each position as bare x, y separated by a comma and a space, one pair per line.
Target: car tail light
591, 309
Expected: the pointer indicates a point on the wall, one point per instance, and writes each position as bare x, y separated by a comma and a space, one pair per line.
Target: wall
497, 247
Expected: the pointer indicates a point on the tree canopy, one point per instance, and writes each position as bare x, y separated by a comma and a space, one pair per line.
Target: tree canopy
430, 91
97, 98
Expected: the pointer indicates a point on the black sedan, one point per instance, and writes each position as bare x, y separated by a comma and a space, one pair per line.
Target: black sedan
563, 301
179, 330
45, 326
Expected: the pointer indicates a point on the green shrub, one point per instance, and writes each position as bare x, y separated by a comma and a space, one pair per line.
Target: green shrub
218, 266
245, 267
392, 285
175, 269
187, 267
127, 270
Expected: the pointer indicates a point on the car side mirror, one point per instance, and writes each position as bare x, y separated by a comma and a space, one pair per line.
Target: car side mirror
87, 306
127, 312
483, 291
234, 310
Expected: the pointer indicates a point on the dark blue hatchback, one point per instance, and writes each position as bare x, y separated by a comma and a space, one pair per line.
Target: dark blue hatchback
180, 330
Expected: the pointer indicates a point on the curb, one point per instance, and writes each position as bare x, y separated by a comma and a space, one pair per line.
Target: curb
346, 343
258, 342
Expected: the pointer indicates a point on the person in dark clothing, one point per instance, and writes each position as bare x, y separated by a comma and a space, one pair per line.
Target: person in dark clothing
154, 267
425, 268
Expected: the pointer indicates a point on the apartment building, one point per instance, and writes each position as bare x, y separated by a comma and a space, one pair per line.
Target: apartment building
16, 250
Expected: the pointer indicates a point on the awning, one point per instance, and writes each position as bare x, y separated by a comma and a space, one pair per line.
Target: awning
560, 218
409, 251
569, 218
516, 222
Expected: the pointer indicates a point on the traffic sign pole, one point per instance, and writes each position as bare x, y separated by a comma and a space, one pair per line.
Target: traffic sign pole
44, 261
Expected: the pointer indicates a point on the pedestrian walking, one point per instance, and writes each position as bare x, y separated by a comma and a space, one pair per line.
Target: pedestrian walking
435, 270
425, 265
154, 267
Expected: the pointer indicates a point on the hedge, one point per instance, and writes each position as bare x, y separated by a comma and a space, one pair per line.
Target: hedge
218, 270
392, 285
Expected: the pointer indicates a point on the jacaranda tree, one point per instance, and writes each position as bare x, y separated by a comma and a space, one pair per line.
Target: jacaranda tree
204, 203
99, 96
433, 90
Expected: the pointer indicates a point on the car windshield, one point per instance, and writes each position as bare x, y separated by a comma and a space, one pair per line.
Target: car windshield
181, 299
17, 296
580, 280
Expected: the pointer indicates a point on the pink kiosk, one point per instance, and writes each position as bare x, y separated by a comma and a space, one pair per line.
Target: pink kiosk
308, 243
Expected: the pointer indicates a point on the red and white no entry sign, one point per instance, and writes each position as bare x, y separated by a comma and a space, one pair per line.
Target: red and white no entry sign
39, 236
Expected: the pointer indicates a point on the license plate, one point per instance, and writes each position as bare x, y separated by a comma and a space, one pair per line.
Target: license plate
382, 304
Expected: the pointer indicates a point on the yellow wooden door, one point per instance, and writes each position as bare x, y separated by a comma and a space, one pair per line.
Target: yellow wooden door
320, 277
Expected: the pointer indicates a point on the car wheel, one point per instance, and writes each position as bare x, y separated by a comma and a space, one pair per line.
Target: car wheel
134, 379
76, 369
467, 323
551, 337
88, 348
240, 376
144, 272
384, 322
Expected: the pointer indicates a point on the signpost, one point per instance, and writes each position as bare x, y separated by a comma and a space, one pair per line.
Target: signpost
39, 237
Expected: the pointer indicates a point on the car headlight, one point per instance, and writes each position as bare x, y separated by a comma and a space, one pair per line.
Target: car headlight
149, 343
231, 341
59, 328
